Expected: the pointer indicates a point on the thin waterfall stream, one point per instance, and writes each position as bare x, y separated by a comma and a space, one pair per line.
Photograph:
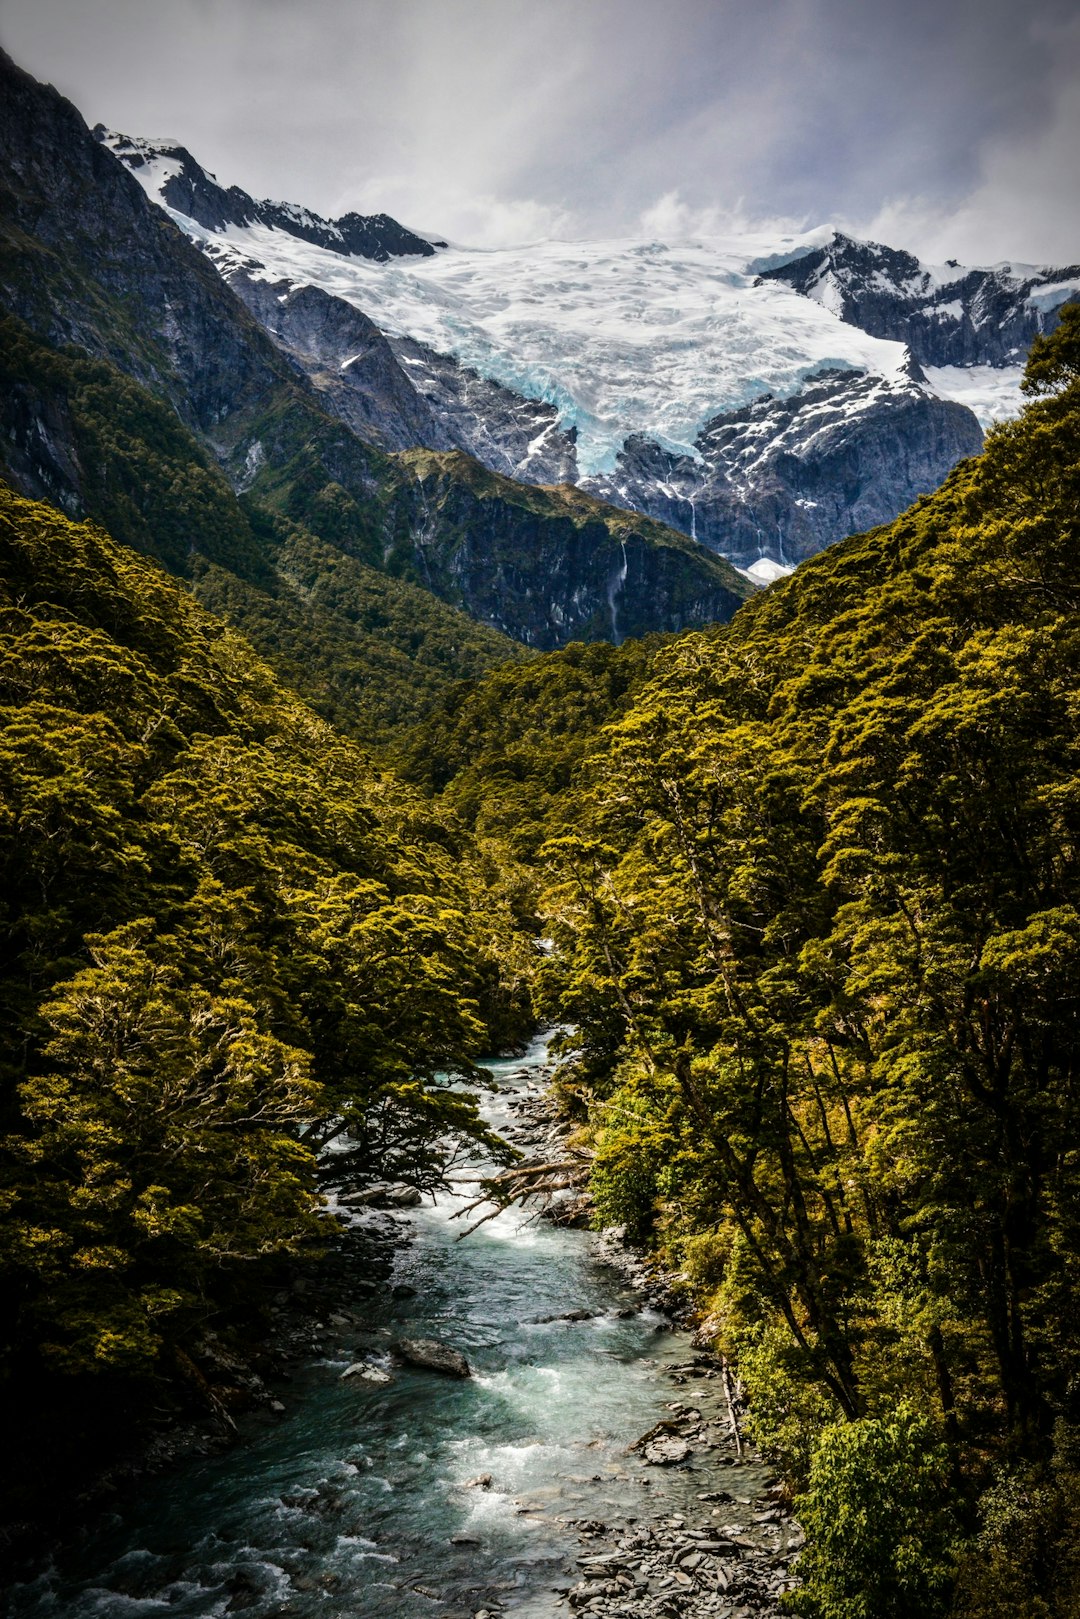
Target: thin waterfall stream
426, 1495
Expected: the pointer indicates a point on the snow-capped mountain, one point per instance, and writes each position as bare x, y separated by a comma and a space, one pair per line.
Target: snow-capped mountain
171, 176
780, 479
139, 387
948, 316
765, 396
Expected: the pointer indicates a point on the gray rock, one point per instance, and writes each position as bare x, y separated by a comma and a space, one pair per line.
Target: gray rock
369, 1373
193, 190
666, 1450
980, 317
784, 478
432, 1356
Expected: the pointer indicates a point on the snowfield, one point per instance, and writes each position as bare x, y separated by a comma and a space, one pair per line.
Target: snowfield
621, 336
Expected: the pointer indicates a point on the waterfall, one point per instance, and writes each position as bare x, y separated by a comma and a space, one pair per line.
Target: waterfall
615, 584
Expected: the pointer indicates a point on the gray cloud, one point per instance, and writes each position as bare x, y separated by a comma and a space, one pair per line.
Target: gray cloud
947, 125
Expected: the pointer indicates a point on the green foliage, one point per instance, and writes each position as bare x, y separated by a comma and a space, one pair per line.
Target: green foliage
228, 938
505, 752
1054, 361
370, 653
632, 1152
879, 1522
1025, 1558
816, 903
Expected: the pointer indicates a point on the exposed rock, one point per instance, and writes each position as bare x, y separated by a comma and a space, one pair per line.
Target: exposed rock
432, 1356
666, 1451
382, 1195
89, 260
506, 554
370, 1374
348, 360
980, 317
508, 432
783, 478
185, 186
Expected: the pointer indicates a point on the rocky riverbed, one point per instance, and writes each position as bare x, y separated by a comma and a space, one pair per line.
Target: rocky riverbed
586, 1463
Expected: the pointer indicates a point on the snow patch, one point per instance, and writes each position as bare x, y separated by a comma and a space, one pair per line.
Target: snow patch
992, 392
765, 571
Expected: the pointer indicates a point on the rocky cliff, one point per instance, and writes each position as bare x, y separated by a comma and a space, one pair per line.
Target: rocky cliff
187, 188
782, 478
947, 315
87, 260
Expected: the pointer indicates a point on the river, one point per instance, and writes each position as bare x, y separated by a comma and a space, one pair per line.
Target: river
357, 1501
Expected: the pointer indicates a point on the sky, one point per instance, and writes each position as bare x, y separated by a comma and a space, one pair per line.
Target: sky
950, 127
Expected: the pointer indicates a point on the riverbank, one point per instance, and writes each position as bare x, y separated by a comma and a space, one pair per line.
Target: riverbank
410, 1494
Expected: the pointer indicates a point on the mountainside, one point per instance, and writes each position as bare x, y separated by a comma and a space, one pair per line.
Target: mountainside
813, 887
229, 938
183, 185
779, 480
946, 315
86, 260
627, 367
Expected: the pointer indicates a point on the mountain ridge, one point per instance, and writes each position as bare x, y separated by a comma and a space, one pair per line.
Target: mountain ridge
187, 187
503, 355
87, 260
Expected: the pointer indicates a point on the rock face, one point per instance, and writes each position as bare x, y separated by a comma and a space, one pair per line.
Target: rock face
400, 395
546, 578
509, 433
186, 187
977, 317
295, 420
782, 478
772, 481
346, 357
432, 1356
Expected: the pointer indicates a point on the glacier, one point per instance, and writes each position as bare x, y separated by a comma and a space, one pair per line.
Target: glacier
623, 337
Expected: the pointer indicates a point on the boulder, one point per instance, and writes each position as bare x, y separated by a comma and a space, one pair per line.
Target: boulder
432, 1356
370, 1374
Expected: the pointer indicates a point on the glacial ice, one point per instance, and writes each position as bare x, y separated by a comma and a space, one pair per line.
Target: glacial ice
621, 336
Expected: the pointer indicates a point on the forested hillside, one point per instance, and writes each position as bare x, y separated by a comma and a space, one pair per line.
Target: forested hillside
229, 938
816, 896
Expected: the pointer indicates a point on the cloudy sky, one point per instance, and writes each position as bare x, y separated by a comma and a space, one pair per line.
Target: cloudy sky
948, 126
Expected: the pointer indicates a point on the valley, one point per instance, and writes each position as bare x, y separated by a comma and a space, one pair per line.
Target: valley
540, 821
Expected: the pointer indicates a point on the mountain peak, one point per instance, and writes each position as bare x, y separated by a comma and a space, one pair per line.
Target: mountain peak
171, 176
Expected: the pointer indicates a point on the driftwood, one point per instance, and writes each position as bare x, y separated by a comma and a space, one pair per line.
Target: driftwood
729, 1395
520, 1184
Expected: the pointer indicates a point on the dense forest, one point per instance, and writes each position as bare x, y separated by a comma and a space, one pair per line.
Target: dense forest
229, 938
815, 893
812, 884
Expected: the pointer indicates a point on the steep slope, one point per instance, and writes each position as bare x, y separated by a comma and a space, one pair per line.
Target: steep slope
86, 259
947, 315
183, 185
609, 365
368, 651
814, 896
229, 938
779, 480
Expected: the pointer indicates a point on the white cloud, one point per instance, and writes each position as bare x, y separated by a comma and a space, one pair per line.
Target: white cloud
462, 217
670, 219
948, 127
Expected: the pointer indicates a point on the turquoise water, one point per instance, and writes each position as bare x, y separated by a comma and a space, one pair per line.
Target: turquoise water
349, 1504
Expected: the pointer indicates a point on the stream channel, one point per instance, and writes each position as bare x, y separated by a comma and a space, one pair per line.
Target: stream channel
356, 1502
